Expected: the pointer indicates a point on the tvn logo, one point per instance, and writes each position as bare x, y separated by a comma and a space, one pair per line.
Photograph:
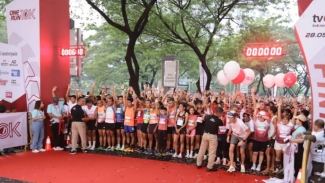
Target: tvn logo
15, 73
319, 20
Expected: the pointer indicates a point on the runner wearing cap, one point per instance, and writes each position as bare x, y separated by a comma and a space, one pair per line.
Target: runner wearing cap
261, 127
56, 113
239, 133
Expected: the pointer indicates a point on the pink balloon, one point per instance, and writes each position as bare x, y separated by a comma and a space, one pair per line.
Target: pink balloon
249, 76
289, 79
278, 79
222, 79
268, 81
240, 78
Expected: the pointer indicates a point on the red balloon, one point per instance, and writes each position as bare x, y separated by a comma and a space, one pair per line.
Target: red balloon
289, 79
240, 78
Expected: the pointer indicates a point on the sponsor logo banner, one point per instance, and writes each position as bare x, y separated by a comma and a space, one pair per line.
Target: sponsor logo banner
13, 129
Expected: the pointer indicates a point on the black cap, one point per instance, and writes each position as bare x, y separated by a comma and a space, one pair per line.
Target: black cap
55, 99
74, 96
88, 100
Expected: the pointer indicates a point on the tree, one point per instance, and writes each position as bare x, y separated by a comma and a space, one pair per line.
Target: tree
129, 17
271, 30
195, 23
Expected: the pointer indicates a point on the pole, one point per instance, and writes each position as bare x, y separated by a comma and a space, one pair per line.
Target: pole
304, 161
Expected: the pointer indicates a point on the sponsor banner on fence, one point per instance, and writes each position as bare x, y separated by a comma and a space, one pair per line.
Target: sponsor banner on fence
310, 32
12, 85
170, 74
13, 129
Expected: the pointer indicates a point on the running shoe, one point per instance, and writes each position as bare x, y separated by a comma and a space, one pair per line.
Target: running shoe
35, 151
112, 148
180, 155
92, 148
195, 156
41, 150
157, 153
187, 156
100, 148
149, 152
122, 148
117, 147
253, 167
231, 169
127, 149
69, 146
58, 149
258, 168
163, 154
217, 162
175, 155
88, 147
190, 156
242, 169
224, 162
84, 151
108, 149
73, 152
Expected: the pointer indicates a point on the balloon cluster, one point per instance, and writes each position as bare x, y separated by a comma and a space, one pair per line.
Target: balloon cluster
232, 72
280, 80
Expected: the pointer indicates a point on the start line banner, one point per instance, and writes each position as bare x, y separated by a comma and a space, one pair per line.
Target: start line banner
13, 129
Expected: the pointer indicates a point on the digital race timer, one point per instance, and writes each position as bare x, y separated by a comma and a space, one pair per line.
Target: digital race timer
72, 51
274, 51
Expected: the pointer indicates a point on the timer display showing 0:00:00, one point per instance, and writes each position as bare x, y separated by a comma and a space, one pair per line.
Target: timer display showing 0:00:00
264, 51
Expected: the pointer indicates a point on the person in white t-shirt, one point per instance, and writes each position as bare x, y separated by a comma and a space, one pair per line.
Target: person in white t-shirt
317, 150
239, 135
90, 109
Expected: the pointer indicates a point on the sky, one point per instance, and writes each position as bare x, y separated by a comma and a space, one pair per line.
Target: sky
89, 16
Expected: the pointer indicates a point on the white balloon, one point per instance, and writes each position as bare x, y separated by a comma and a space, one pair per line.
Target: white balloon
268, 81
231, 70
222, 79
278, 79
250, 76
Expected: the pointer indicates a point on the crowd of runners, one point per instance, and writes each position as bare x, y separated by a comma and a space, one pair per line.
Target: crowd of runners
172, 123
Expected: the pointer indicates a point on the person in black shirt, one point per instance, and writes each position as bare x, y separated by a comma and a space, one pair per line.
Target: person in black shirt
210, 139
78, 126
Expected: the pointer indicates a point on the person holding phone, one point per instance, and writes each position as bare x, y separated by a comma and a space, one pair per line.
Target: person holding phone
38, 127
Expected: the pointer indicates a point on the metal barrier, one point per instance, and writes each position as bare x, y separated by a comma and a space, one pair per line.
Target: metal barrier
29, 117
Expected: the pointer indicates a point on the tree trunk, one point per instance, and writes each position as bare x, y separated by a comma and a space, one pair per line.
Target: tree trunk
154, 72
129, 58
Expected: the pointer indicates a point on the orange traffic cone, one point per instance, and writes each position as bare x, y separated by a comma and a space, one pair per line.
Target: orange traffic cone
298, 180
48, 146
68, 140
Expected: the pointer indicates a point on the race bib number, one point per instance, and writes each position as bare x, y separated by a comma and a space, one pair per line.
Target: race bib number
91, 115
152, 116
100, 114
283, 135
162, 121
127, 119
199, 119
118, 110
261, 127
222, 128
180, 122
146, 117
191, 122
139, 113
171, 115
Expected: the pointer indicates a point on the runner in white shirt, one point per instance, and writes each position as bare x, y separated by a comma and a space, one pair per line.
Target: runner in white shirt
90, 109
239, 136
261, 128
